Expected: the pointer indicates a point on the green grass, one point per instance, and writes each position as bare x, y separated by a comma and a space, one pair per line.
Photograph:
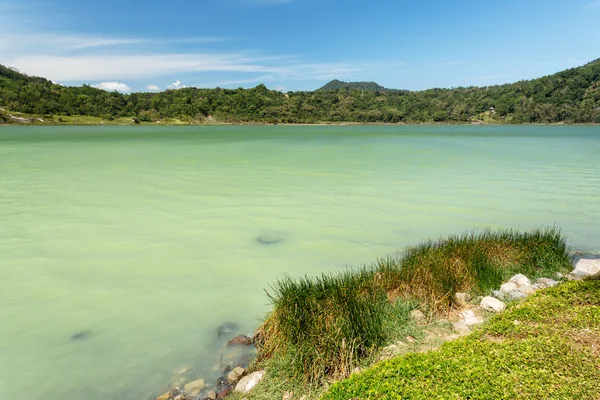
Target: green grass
545, 347
324, 327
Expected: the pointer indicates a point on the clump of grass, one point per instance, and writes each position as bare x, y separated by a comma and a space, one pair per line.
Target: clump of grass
325, 326
545, 347
474, 262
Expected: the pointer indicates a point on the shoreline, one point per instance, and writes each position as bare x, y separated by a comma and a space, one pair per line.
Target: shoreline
212, 124
418, 327
471, 316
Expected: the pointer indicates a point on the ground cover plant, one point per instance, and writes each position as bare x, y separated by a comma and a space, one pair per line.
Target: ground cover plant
546, 347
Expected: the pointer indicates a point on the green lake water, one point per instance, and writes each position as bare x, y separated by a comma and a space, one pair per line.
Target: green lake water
145, 237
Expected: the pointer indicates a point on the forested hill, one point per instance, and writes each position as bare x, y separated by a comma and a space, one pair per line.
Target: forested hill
571, 96
336, 85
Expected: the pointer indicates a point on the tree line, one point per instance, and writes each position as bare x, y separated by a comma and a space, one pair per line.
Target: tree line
570, 96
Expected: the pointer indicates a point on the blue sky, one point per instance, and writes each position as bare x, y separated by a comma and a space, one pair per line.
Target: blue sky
296, 44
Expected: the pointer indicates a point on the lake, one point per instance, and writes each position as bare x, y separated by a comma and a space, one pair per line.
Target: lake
143, 240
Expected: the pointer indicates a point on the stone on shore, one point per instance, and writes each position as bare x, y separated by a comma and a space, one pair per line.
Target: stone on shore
248, 382
462, 328
516, 295
418, 316
469, 318
520, 280
499, 294
586, 267
492, 304
194, 388
546, 282
508, 287
527, 289
462, 298
235, 374
211, 395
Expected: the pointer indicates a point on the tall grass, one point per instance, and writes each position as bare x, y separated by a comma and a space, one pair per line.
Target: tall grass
326, 325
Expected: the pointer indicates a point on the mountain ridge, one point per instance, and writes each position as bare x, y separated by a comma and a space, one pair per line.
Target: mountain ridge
569, 96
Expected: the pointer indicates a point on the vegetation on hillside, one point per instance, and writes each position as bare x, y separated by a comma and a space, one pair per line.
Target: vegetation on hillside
324, 327
571, 96
546, 347
337, 85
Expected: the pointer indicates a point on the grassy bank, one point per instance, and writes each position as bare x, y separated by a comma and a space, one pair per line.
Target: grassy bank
321, 328
545, 347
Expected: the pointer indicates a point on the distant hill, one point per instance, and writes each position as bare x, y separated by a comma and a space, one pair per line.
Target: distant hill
570, 96
336, 84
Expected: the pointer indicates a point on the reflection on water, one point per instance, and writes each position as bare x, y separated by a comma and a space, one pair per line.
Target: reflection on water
123, 249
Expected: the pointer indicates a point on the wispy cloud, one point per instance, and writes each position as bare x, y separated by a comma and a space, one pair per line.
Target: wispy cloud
153, 88
113, 86
593, 4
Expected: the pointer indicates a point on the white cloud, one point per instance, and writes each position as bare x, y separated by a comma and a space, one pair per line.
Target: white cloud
153, 88
176, 85
112, 86
116, 67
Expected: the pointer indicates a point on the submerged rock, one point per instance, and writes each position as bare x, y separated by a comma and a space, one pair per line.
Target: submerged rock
81, 335
240, 340
226, 328
270, 238
194, 388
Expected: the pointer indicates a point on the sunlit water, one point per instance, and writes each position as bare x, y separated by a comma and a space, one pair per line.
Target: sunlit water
146, 237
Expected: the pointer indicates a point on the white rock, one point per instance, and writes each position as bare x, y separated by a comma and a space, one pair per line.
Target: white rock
586, 267
418, 316
462, 298
462, 328
500, 295
469, 318
547, 282
520, 279
492, 304
526, 289
508, 287
516, 295
248, 382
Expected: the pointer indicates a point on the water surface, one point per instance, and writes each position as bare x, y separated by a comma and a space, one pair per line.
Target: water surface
143, 239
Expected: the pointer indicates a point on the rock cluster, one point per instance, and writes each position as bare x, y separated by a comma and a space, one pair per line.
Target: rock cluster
232, 369
516, 288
